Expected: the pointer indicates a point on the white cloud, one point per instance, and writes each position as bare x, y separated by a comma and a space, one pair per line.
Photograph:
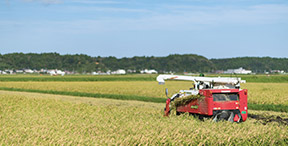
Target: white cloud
214, 15
104, 9
45, 1
88, 2
186, 17
95, 2
177, 18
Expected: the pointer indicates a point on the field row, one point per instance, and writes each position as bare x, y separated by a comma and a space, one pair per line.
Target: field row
37, 119
258, 93
133, 77
75, 78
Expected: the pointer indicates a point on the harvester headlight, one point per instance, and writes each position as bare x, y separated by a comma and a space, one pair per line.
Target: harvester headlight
217, 108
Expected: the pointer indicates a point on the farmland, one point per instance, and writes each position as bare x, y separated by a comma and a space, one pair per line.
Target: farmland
42, 119
130, 77
259, 93
82, 78
268, 93
38, 119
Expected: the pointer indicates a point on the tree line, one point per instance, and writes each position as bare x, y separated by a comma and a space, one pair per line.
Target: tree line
175, 62
256, 64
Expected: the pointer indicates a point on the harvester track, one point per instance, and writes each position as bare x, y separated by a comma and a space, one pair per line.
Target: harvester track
268, 119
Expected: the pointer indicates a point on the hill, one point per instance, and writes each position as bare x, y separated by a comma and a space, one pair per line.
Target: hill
176, 63
82, 63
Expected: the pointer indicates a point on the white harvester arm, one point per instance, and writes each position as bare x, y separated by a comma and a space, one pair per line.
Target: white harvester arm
205, 82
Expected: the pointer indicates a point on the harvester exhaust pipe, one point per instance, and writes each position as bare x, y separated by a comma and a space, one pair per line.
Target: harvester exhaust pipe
166, 92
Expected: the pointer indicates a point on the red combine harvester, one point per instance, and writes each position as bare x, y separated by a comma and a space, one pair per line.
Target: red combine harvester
223, 98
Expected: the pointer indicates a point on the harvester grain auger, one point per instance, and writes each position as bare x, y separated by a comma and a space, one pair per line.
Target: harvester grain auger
221, 98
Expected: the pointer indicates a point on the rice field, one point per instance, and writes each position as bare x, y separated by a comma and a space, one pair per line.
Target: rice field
131, 77
47, 119
43, 119
258, 93
74, 78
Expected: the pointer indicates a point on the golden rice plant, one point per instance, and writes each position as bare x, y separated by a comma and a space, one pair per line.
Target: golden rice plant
185, 100
43, 119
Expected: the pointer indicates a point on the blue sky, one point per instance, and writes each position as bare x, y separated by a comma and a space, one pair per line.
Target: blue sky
125, 28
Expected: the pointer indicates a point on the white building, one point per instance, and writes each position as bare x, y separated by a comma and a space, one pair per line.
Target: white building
19, 71
28, 71
99, 73
3, 72
238, 71
8, 71
278, 71
56, 72
151, 71
131, 71
119, 72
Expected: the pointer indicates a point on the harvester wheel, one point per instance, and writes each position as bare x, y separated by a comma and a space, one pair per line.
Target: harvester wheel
231, 117
178, 113
224, 115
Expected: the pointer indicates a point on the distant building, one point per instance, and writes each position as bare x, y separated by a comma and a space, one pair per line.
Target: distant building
56, 72
100, 73
28, 71
119, 72
219, 71
131, 71
19, 71
8, 71
151, 71
278, 71
3, 72
237, 71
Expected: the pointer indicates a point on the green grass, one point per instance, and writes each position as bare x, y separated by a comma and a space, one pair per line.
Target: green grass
267, 107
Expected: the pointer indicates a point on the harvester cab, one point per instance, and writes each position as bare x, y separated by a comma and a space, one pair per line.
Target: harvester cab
222, 98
